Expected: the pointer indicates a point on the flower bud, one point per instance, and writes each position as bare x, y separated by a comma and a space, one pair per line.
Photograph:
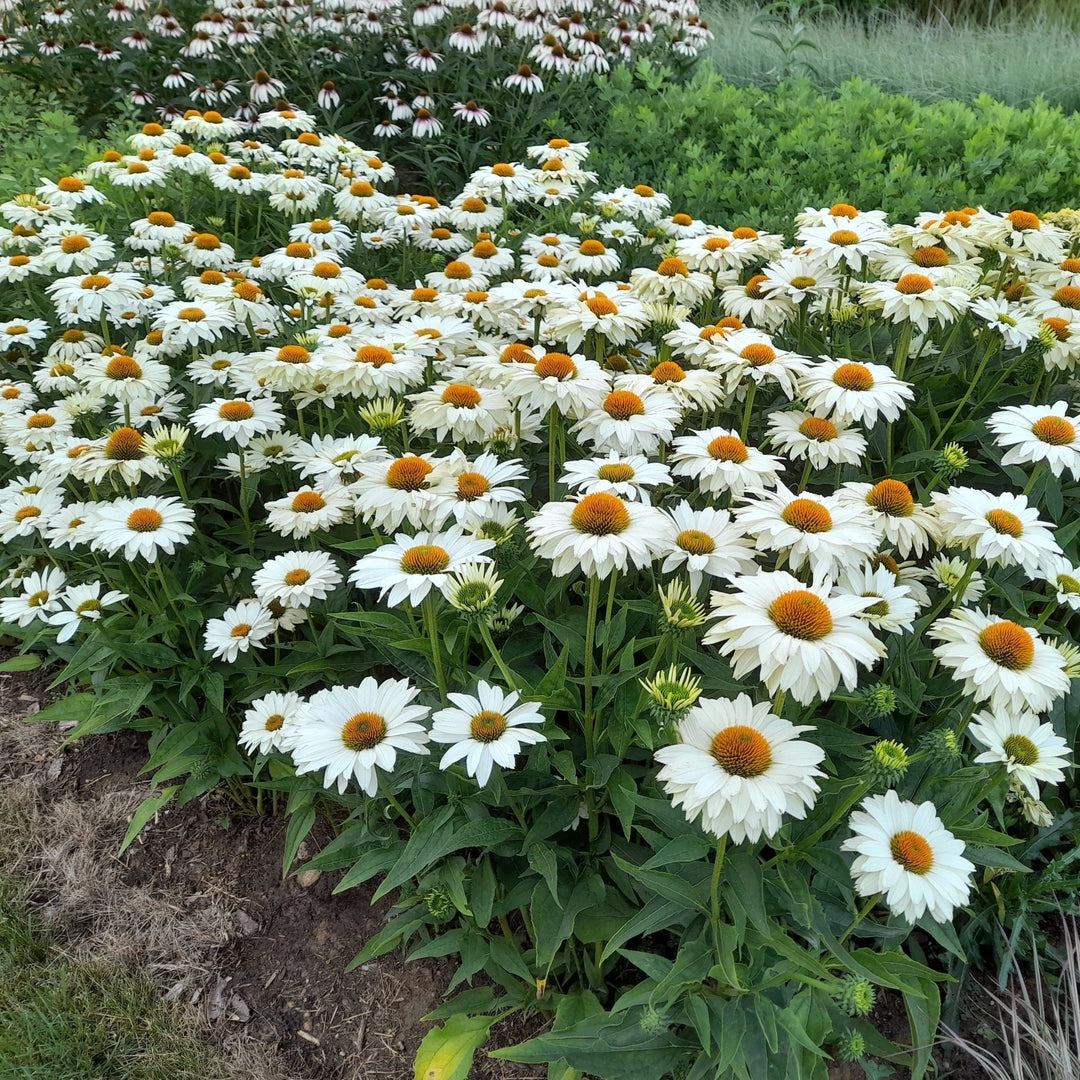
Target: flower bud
877, 702
681, 609
951, 461
856, 996
887, 761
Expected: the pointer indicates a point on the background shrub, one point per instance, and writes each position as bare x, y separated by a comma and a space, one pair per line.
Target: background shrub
752, 156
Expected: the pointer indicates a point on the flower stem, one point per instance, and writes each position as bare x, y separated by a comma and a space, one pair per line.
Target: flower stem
432, 625
590, 640
748, 410
862, 913
979, 372
607, 621
485, 633
388, 795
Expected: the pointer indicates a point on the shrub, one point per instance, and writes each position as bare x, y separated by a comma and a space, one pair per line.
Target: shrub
462, 525
756, 157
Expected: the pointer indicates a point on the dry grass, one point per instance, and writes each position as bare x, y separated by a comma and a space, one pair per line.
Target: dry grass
1036, 1021
58, 861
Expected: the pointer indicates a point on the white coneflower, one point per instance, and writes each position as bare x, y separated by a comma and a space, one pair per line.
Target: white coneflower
718, 460
1064, 578
394, 491
83, 603
1038, 433
813, 530
272, 722
898, 518
822, 442
915, 299
350, 732
296, 578
475, 488
310, 509
344, 457
904, 852
244, 626
1031, 751
40, 597
894, 609
635, 418
1000, 661
237, 419
630, 476
567, 382
485, 730
741, 768
848, 390
463, 410
597, 534
805, 639
706, 542
1001, 528
141, 527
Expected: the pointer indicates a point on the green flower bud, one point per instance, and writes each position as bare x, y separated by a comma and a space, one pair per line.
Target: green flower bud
845, 316
382, 415
877, 702
951, 461
501, 622
856, 996
440, 903
887, 762
681, 609
941, 746
850, 1046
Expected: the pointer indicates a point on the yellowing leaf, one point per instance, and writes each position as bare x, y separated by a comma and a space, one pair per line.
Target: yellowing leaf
447, 1052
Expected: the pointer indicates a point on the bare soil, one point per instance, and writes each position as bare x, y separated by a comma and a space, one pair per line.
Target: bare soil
257, 959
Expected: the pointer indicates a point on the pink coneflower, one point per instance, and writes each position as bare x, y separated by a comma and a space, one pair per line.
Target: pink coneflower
471, 113
424, 60
328, 96
525, 80
426, 126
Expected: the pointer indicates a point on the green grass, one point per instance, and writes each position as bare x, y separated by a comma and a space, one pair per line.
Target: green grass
67, 1018
1025, 51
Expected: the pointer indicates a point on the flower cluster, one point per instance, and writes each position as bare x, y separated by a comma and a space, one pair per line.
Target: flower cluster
381, 458
241, 56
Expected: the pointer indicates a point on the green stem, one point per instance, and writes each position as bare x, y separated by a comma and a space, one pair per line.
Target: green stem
979, 372
508, 677
862, 913
607, 621
748, 410
431, 623
590, 639
388, 795
1036, 473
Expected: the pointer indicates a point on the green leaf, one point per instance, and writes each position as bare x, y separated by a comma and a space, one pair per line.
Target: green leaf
615, 1048
300, 824
542, 859
744, 887
658, 914
447, 1052
146, 810
482, 892
26, 662
671, 886
621, 788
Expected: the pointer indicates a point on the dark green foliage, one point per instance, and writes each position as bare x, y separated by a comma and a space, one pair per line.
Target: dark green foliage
745, 156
